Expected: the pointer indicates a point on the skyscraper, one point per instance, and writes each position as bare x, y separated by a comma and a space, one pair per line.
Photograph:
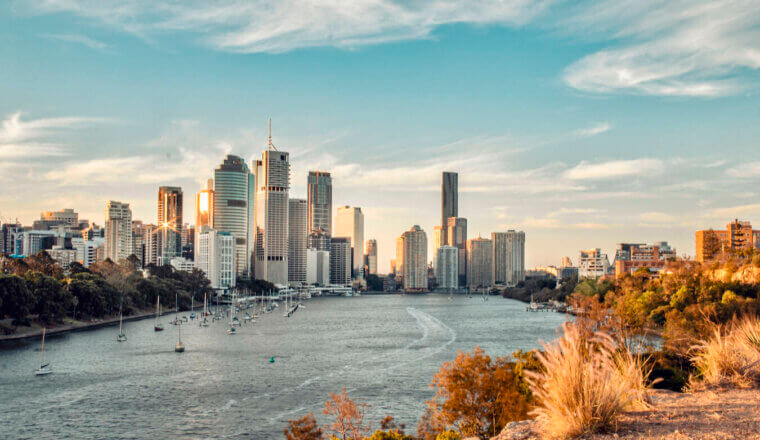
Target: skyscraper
399, 260
415, 259
349, 222
370, 257
230, 207
449, 201
272, 183
216, 257
457, 233
340, 261
499, 240
447, 270
204, 206
297, 240
118, 233
515, 257
319, 198
170, 222
479, 262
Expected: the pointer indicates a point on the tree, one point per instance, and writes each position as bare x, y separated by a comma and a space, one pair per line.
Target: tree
42, 262
50, 300
77, 267
305, 428
349, 417
476, 396
15, 298
374, 283
711, 246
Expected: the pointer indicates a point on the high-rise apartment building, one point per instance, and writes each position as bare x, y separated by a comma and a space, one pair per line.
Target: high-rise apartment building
216, 257
231, 207
272, 183
592, 263
515, 257
349, 222
447, 269
297, 234
319, 198
479, 263
499, 258
370, 257
415, 259
457, 236
340, 261
118, 234
170, 222
449, 201
737, 236
317, 267
398, 262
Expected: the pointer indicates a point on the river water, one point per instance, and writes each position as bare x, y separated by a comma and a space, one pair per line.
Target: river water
384, 349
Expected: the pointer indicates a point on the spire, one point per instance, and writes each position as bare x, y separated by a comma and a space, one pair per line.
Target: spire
270, 145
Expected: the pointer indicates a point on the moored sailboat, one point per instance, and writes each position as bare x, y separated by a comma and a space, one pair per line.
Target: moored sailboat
179, 347
158, 326
45, 367
122, 336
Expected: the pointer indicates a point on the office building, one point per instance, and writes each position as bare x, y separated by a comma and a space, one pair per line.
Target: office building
319, 199
230, 207
181, 264
630, 257
370, 257
592, 263
8, 233
457, 237
272, 183
479, 263
447, 268
50, 219
216, 257
118, 231
317, 267
349, 222
515, 257
499, 258
415, 259
204, 206
449, 201
737, 236
318, 240
170, 222
398, 262
340, 261
297, 235
566, 262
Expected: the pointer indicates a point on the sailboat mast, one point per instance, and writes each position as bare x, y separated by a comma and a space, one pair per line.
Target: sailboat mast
42, 355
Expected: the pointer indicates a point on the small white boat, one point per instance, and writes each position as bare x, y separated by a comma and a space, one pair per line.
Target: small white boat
122, 337
45, 367
231, 331
179, 347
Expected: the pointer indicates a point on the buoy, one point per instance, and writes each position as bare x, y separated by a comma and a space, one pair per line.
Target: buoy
271, 360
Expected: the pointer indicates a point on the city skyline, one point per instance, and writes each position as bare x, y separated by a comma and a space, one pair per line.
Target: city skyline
545, 135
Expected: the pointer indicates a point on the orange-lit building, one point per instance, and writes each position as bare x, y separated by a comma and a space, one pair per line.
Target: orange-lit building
737, 236
632, 256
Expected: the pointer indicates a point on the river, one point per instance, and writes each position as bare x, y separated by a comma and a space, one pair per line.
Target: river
384, 349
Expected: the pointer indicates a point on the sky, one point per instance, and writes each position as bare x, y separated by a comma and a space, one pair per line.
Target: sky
585, 124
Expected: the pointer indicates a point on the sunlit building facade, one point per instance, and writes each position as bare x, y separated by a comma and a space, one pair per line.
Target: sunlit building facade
230, 207
118, 231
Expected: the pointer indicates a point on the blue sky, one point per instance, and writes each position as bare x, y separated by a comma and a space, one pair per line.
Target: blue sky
582, 123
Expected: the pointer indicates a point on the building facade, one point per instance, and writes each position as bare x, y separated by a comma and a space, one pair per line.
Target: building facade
370, 257
737, 236
231, 203
170, 222
340, 261
449, 202
319, 199
457, 237
297, 235
515, 257
479, 263
349, 222
216, 257
499, 257
630, 257
118, 231
415, 259
447, 268
592, 263
317, 267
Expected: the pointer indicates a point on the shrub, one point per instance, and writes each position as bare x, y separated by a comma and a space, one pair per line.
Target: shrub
585, 385
730, 357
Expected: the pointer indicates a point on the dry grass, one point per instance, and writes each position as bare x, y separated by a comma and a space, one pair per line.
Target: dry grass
731, 357
586, 384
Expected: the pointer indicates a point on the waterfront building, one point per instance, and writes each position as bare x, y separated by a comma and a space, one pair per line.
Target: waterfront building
118, 231
515, 257
737, 236
457, 237
297, 234
447, 268
592, 263
632, 256
449, 201
349, 222
170, 222
415, 259
340, 261
216, 257
317, 267
479, 263
398, 263
370, 257
319, 199
272, 183
499, 258
230, 206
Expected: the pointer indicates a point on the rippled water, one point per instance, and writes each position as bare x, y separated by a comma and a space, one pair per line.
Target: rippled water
384, 349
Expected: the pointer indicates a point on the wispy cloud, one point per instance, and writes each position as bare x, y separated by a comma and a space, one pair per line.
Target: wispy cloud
594, 130
745, 170
672, 48
81, 40
614, 169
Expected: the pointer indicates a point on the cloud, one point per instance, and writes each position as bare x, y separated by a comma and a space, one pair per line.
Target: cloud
752, 210
261, 26
745, 170
672, 48
21, 138
594, 130
80, 39
554, 223
614, 169
574, 211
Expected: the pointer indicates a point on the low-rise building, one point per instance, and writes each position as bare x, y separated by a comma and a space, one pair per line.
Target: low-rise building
630, 257
737, 236
592, 263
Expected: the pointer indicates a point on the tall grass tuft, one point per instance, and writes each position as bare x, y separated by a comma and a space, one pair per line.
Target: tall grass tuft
585, 384
730, 357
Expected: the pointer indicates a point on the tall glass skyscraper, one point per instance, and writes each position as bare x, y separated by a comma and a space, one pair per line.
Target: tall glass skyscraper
170, 222
319, 199
449, 201
231, 207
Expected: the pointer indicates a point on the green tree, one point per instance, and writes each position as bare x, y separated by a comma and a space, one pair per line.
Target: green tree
16, 301
374, 283
42, 262
51, 301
